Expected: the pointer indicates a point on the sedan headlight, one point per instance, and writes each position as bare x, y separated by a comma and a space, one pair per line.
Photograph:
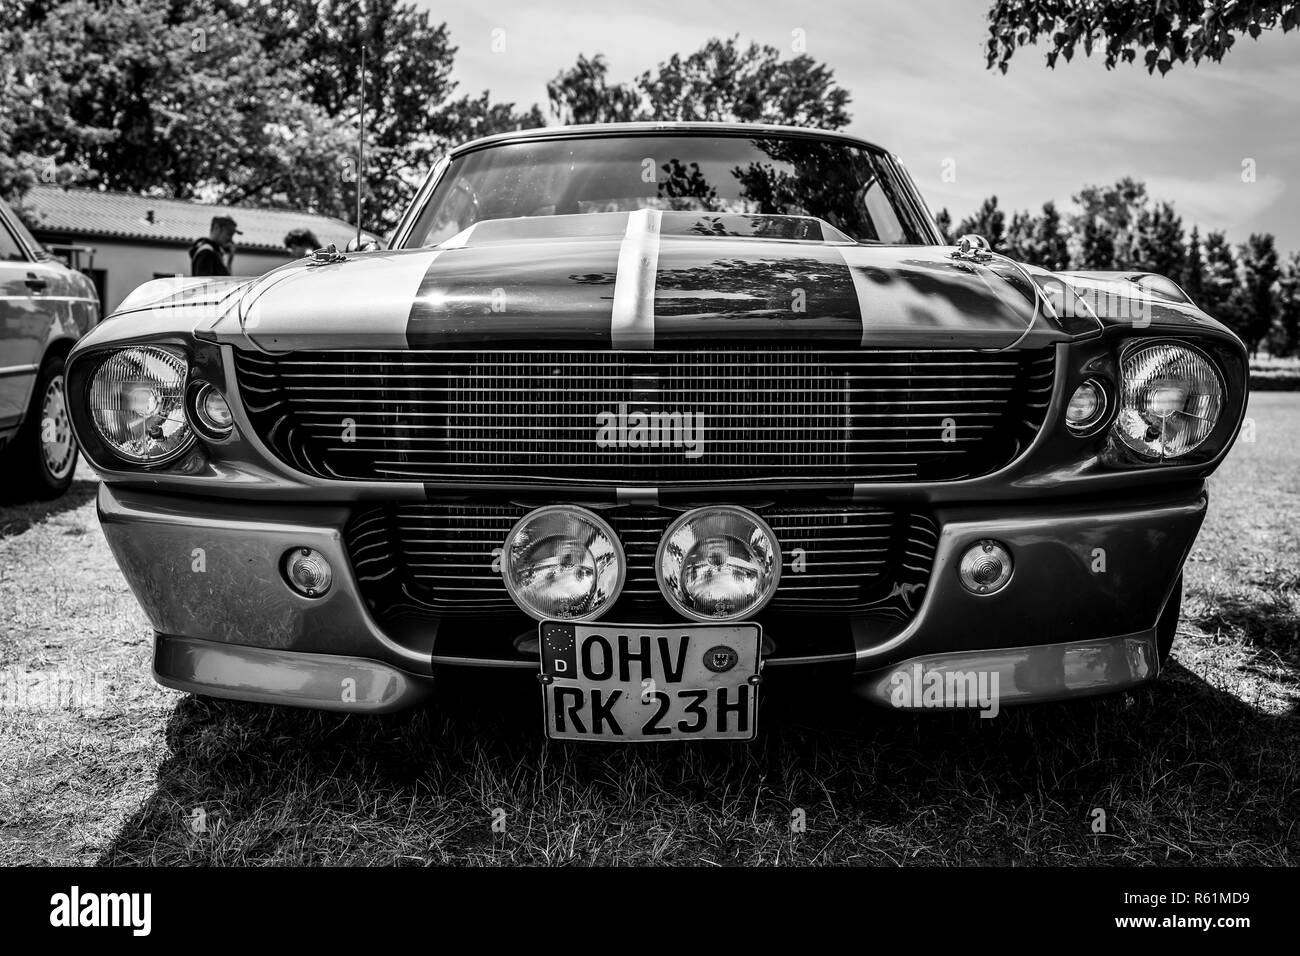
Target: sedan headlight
137, 402
718, 563
1170, 400
563, 563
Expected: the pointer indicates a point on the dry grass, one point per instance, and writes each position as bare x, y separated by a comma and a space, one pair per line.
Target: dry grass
100, 765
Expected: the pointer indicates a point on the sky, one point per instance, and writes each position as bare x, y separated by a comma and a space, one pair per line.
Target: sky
915, 71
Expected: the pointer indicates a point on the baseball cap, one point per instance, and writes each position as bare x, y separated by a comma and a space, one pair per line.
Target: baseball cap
226, 221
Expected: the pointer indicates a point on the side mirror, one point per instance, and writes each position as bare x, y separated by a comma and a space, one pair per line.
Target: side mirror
367, 244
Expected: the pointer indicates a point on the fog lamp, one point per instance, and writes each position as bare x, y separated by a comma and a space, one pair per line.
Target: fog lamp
307, 571
985, 567
1087, 406
563, 563
211, 411
718, 564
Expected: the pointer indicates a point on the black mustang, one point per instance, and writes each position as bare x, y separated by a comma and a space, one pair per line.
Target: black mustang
653, 409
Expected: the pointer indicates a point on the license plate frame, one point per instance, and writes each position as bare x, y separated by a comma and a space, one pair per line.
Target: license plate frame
594, 674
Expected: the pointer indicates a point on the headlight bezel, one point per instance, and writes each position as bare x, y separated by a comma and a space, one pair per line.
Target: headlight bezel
1193, 455
106, 444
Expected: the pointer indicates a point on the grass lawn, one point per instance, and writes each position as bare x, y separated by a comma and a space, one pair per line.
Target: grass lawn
100, 765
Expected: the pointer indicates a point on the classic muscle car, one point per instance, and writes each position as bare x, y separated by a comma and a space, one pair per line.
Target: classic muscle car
656, 411
44, 308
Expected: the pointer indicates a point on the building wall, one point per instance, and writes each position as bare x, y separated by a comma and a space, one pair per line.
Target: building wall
126, 265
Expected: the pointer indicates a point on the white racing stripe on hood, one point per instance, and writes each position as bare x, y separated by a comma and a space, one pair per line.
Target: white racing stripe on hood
632, 324
336, 306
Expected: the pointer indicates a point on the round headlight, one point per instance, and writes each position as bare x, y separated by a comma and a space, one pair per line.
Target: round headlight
1170, 399
564, 564
137, 402
718, 563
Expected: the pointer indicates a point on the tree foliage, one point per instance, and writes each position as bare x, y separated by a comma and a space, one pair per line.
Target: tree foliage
1258, 272
411, 110
1118, 227
1161, 33
723, 81
234, 102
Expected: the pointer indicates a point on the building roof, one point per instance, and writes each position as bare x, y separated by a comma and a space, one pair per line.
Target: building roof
116, 215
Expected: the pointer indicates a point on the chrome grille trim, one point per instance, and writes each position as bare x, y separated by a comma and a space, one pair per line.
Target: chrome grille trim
770, 414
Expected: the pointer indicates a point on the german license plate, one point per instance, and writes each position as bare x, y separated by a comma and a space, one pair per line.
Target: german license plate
650, 681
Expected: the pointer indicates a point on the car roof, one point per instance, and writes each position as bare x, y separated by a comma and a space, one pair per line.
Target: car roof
637, 129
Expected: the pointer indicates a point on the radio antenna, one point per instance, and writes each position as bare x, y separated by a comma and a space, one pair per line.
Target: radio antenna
361, 143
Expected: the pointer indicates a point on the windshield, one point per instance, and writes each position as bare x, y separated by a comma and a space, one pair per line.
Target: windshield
855, 190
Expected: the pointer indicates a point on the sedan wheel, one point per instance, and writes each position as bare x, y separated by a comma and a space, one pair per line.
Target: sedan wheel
58, 447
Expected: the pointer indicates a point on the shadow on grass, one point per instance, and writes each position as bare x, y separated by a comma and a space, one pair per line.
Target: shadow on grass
18, 516
1265, 618
1186, 774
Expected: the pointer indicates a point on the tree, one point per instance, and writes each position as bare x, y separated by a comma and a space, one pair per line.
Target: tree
1165, 33
1050, 246
1285, 339
1219, 280
1103, 227
943, 219
1158, 244
1259, 273
411, 111
988, 222
1019, 240
583, 94
146, 97
1193, 276
722, 82
1038, 240
233, 101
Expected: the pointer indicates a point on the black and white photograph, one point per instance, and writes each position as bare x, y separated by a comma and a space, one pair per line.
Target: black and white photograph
681, 438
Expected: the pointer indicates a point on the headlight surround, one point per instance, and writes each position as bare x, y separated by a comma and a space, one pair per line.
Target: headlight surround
563, 563
1170, 399
137, 404
718, 563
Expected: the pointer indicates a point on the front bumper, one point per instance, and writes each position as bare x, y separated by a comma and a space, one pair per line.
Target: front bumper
1077, 618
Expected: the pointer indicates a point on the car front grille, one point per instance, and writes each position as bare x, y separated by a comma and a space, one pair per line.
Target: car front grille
759, 414
442, 559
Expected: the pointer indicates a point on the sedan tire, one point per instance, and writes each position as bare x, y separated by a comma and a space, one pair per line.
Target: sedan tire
40, 461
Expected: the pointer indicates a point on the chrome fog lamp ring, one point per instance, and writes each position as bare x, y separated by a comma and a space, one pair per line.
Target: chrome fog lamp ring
718, 563
210, 411
562, 562
1087, 407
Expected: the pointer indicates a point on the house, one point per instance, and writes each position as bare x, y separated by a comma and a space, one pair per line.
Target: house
122, 240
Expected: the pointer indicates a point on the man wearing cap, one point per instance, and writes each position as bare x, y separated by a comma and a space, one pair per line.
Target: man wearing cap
213, 254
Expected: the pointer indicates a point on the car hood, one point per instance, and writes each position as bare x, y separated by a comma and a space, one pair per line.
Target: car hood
639, 280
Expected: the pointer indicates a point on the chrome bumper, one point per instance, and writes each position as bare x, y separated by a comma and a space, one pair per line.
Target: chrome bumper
207, 573
985, 680
294, 678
